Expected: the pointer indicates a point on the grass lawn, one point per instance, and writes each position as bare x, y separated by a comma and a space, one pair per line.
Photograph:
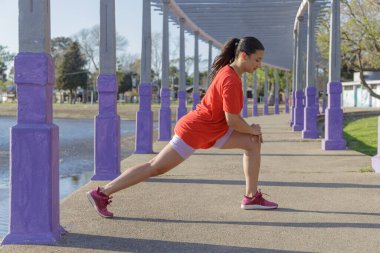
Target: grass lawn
361, 135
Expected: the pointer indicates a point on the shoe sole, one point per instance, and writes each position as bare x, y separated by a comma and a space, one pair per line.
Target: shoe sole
257, 207
92, 202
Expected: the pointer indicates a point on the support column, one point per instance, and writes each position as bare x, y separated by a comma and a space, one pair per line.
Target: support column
165, 125
255, 111
294, 85
107, 122
182, 110
276, 93
324, 88
310, 130
209, 61
356, 96
245, 106
376, 159
286, 92
196, 97
334, 114
34, 168
317, 89
266, 111
298, 108
144, 116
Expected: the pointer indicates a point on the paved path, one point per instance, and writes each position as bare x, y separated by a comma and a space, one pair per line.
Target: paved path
326, 204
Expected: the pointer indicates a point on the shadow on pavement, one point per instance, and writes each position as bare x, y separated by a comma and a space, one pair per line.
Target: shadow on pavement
262, 183
108, 243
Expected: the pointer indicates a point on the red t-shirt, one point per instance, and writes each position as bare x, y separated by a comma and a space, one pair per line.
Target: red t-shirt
202, 127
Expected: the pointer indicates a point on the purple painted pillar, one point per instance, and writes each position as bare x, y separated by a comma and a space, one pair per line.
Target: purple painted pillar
293, 108
245, 108
266, 111
276, 106
34, 187
107, 131
144, 123
298, 111
286, 104
181, 110
310, 130
317, 103
376, 159
165, 125
255, 111
334, 119
195, 100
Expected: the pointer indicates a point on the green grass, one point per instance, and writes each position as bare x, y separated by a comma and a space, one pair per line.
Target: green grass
361, 135
366, 169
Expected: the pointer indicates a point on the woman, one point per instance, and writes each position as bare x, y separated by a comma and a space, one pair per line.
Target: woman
216, 122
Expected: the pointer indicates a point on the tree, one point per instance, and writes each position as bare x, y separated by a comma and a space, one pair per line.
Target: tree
5, 58
157, 54
126, 82
360, 38
59, 45
89, 40
3, 68
72, 72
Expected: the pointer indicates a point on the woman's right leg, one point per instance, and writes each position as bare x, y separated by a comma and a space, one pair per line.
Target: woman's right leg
166, 160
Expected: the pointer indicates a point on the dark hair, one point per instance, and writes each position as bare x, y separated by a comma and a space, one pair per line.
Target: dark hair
230, 51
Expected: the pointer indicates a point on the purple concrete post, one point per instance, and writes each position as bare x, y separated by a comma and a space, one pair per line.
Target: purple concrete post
181, 110
276, 106
165, 125
107, 130
293, 107
195, 100
286, 104
245, 107
334, 119
376, 159
255, 109
317, 103
310, 130
298, 111
144, 123
34, 207
266, 111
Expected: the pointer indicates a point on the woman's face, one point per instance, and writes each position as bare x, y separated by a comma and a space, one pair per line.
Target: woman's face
253, 61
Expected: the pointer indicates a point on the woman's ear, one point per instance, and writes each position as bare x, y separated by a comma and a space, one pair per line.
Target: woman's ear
243, 55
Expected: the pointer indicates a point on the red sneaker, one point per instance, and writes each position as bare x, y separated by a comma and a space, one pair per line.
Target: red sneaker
257, 202
100, 201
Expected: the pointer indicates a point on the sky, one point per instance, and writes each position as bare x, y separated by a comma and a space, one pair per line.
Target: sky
68, 17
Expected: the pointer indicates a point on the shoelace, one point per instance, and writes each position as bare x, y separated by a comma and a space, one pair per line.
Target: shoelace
260, 195
107, 200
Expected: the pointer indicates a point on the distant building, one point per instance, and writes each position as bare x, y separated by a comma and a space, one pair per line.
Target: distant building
356, 95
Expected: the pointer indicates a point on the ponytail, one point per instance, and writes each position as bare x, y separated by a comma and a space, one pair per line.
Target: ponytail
230, 51
226, 56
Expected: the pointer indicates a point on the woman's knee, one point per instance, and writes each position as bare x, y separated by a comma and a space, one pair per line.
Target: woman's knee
254, 144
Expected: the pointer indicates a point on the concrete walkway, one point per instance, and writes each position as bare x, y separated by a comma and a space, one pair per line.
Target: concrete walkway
326, 204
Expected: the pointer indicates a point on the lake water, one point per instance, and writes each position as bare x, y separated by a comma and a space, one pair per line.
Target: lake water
76, 157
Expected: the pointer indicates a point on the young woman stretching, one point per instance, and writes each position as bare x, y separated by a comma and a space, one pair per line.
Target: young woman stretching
216, 122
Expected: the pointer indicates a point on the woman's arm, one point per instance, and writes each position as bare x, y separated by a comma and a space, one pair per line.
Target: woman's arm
236, 122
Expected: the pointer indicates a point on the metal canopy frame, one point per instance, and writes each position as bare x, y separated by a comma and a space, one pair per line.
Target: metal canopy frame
271, 21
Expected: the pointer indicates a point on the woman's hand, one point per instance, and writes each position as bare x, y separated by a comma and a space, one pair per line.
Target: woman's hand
256, 129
